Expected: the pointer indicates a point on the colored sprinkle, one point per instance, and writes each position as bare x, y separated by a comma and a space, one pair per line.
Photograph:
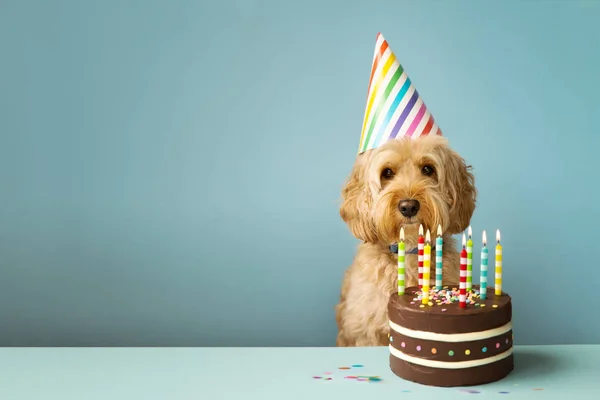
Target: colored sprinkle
406, 391
316, 377
467, 352
484, 349
328, 379
357, 366
450, 353
422, 306
506, 341
344, 368
403, 344
350, 377
374, 379
504, 392
433, 351
443, 310
412, 302
497, 345
391, 338
496, 306
327, 373
418, 348
538, 389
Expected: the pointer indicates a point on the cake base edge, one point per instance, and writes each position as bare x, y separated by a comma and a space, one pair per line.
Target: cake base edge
452, 377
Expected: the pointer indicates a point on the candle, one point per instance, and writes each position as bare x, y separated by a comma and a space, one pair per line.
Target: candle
426, 268
498, 285
484, 268
470, 261
439, 244
462, 297
401, 254
420, 246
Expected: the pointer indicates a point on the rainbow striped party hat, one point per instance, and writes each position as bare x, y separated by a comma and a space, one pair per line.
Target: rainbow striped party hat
394, 107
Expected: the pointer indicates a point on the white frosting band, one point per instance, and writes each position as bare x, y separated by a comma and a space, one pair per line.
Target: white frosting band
451, 337
449, 364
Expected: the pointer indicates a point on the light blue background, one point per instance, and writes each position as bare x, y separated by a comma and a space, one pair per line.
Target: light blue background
170, 170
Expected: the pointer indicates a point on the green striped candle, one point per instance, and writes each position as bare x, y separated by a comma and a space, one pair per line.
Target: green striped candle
401, 254
439, 243
470, 261
484, 269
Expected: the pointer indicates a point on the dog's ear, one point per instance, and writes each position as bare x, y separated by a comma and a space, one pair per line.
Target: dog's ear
460, 184
357, 201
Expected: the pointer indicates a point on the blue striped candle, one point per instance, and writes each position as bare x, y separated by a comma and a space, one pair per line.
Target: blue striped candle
439, 244
484, 269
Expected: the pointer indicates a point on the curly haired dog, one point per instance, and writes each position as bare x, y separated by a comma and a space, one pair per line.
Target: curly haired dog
403, 183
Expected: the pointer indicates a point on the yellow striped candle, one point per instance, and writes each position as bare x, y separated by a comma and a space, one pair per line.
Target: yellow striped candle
426, 267
498, 285
470, 260
401, 254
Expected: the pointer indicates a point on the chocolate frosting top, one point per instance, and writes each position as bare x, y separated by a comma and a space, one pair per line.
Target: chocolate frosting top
491, 313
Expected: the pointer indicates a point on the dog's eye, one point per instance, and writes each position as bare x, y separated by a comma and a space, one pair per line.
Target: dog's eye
427, 170
387, 173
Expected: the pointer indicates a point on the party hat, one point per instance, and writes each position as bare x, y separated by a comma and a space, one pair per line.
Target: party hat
394, 107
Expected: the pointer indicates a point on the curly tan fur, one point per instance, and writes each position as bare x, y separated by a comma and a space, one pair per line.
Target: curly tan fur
370, 208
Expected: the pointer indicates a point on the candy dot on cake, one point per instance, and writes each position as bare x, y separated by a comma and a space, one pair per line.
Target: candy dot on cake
451, 353
484, 349
467, 352
433, 350
418, 348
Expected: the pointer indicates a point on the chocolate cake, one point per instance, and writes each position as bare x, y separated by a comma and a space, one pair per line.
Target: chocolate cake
441, 344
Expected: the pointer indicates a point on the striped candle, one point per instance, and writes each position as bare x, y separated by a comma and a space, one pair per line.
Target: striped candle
439, 255
420, 246
498, 285
470, 261
484, 268
394, 108
426, 267
401, 254
462, 296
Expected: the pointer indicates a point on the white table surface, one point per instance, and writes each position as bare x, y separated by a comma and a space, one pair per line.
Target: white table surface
273, 373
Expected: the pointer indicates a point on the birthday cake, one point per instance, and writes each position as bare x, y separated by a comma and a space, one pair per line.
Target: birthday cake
442, 344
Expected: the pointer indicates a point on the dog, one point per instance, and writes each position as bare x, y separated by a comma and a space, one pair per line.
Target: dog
406, 183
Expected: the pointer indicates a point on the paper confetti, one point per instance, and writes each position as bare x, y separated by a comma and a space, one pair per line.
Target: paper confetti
358, 378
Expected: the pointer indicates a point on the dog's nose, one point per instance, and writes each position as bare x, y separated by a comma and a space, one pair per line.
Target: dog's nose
409, 208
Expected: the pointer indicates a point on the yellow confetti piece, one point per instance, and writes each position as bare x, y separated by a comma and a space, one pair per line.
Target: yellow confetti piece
495, 306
